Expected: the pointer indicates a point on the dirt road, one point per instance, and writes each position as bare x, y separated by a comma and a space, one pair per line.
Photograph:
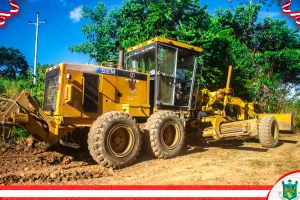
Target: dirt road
222, 163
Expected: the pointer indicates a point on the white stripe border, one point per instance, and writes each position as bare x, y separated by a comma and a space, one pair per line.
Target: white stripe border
134, 193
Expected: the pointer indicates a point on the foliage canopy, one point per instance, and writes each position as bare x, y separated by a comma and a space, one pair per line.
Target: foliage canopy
12, 62
265, 54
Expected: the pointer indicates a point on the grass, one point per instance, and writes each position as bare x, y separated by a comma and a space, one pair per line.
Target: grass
8, 87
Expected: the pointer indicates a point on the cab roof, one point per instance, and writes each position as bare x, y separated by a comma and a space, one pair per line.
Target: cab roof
166, 41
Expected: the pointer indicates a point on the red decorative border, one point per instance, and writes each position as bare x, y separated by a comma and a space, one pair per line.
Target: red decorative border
136, 187
13, 10
133, 198
286, 10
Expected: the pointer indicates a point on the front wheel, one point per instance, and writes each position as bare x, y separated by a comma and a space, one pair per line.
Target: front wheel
167, 134
268, 131
114, 140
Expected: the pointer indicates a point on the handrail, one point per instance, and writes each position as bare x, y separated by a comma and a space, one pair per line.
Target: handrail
192, 84
101, 83
83, 81
137, 69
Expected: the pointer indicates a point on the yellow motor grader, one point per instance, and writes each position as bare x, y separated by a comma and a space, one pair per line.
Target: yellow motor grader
153, 92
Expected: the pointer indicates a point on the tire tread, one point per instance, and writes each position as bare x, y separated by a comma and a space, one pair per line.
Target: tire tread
96, 135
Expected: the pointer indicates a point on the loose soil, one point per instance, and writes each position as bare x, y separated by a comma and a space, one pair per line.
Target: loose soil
218, 163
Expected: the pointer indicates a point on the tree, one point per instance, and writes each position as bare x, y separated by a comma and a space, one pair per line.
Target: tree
12, 63
264, 54
182, 20
141, 20
269, 65
101, 34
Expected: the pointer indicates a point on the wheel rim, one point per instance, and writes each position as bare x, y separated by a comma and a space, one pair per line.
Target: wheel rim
274, 130
170, 135
120, 140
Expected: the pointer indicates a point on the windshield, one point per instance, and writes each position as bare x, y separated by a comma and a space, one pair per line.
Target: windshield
142, 59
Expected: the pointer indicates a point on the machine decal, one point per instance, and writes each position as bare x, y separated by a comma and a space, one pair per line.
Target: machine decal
111, 71
132, 83
117, 72
130, 74
131, 98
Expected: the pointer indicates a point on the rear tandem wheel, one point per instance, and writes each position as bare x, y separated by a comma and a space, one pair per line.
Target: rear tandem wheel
114, 140
166, 133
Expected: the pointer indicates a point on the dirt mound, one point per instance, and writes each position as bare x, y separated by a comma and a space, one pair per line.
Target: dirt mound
28, 161
55, 176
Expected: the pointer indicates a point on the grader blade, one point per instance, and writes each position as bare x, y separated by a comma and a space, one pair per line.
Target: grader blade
284, 120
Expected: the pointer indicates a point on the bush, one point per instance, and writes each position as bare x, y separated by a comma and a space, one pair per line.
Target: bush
293, 106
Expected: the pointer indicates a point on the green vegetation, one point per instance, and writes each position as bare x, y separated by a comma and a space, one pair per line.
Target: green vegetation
265, 54
9, 86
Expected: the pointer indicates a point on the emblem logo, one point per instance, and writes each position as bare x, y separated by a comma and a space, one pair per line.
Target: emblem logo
289, 191
132, 83
132, 75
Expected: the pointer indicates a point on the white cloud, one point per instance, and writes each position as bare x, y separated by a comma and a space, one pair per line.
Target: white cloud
75, 14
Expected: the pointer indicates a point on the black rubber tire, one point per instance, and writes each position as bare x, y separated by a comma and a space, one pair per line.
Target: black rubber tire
78, 136
76, 141
146, 139
268, 131
107, 135
167, 134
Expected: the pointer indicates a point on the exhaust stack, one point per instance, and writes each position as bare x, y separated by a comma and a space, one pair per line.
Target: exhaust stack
121, 54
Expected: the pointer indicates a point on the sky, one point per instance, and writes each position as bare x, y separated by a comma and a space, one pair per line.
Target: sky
64, 22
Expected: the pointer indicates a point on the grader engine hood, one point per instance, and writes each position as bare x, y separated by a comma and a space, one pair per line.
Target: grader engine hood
92, 90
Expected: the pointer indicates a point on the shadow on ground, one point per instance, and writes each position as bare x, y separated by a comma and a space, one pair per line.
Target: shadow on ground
192, 145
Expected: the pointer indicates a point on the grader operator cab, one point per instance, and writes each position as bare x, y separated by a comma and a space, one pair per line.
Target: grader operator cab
154, 94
